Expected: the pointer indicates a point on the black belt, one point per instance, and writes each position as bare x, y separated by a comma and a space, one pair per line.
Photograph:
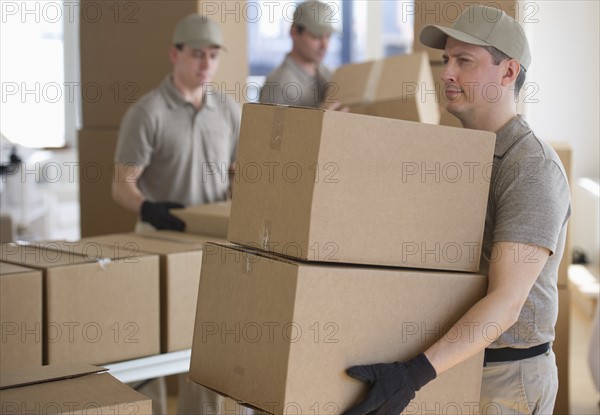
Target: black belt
508, 354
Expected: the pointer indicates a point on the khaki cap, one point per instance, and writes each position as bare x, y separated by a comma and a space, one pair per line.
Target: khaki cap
197, 31
483, 26
316, 17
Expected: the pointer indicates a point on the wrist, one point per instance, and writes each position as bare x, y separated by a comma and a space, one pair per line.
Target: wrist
421, 371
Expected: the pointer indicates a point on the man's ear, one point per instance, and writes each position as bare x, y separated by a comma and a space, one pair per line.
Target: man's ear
513, 68
173, 53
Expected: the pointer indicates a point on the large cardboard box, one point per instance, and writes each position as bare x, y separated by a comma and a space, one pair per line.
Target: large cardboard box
124, 49
20, 316
210, 219
564, 152
100, 305
99, 213
279, 334
180, 265
395, 87
337, 187
68, 389
561, 350
445, 13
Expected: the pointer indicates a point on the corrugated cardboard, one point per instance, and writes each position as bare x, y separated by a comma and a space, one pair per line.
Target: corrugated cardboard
337, 187
100, 305
125, 51
68, 389
564, 152
20, 317
99, 213
208, 219
182, 237
396, 87
561, 350
179, 277
445, 117
445, 13
279, 334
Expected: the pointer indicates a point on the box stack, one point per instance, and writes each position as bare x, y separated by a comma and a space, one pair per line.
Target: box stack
180, 263
561, 342
68, 389
358, 241
124, 54
445, 13
78, 302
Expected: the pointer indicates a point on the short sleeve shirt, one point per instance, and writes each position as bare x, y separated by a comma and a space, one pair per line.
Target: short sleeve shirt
290, 84
529, 203
185, 152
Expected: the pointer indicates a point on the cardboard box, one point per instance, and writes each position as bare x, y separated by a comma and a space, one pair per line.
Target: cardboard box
68, 389
208, 219
124, 50
337, 187
445, 117
396, 87
99, 305
561, 350
564, 152
445, 13
99, 213
279, 334
20, 317
182, 237
179, 277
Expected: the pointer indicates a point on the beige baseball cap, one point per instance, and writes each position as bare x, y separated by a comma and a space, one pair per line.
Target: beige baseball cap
483, 26
316, 17
197, 31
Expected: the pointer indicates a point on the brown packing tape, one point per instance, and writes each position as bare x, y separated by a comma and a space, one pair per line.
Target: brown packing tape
278, 126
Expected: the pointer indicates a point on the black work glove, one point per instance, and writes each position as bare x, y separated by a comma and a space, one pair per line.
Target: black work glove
393, 385
158, 215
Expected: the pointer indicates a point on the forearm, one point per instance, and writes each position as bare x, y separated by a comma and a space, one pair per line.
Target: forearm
128, 195
475, 331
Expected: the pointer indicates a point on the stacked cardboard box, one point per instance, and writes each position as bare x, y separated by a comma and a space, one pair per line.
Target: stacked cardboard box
124, 54
99, 305
180, 264
561, 342
210, 219
282, 315
68, 389
396, 87
20, 316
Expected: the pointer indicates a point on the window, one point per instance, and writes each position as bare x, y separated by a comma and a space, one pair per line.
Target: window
32, 64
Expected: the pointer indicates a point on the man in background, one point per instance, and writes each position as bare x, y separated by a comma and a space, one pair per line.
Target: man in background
175, 148
302, 79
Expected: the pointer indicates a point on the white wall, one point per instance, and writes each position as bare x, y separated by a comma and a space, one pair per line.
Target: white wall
565, 68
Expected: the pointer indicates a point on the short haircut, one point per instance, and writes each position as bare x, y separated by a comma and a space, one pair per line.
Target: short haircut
498, 56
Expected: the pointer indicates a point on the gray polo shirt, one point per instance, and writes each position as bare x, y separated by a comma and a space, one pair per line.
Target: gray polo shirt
290, 84
185, 153
529, 203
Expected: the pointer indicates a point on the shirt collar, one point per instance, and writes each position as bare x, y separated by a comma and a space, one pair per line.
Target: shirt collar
509, 134
174, 99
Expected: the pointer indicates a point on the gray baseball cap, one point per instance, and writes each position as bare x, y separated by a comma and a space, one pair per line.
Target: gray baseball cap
483, 26
316, 17
197, 31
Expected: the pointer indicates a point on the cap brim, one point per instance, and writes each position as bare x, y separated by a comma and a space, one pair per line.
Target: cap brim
436, 37
205, 44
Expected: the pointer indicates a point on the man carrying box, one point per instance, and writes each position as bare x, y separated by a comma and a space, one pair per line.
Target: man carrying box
528, 209
302, 79
174, 149
176, 144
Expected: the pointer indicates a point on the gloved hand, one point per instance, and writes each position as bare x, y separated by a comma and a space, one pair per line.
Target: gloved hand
158, 215
393, 385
